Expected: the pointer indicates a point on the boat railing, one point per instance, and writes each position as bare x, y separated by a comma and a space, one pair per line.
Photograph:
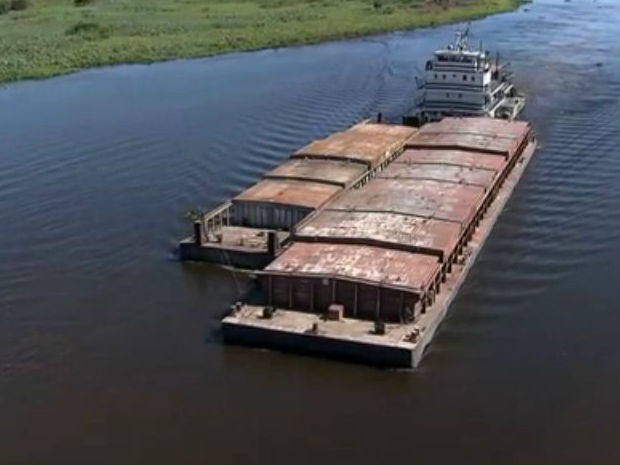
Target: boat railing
214, 220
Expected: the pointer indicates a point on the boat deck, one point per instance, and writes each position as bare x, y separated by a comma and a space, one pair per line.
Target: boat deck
290, 192
238, 246
241, 238
402, 345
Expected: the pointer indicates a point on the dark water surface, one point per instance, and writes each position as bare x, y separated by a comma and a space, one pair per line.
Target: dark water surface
108, 346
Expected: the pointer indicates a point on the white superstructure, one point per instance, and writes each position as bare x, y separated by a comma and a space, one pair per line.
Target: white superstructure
461, 81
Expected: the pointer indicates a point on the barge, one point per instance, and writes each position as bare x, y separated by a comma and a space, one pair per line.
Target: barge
360, 241
249, 231
369, 275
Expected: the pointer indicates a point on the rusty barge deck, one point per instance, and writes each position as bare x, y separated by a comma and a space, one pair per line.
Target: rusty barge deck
370, 274
250, 230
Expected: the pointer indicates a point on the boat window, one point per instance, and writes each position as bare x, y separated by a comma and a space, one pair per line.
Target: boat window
460, 95
464, 77
473, 78
435, 75
454, 75
443, 76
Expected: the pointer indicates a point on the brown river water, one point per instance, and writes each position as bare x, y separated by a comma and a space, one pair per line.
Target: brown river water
109, 347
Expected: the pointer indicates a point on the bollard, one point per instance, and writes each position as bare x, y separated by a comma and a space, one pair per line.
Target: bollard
197, 233
273, 244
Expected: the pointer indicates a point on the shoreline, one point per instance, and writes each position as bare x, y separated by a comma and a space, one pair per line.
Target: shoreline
99, 45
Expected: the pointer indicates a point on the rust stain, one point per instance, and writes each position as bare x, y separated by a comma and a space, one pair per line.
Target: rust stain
396, 228
478, 134
376, 265
342, 173
289, 192
464, 158
423, 198
438, 172
368, 143
389, 229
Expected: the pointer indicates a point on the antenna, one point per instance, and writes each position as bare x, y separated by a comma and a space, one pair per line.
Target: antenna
462, 39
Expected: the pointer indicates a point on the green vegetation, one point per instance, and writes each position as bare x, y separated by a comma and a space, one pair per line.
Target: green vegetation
40, 38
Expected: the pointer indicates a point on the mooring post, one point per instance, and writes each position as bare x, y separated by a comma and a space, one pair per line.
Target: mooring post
198, 232
272, 242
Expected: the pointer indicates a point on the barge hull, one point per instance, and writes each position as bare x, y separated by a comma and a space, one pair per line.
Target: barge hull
301, 342
355, 340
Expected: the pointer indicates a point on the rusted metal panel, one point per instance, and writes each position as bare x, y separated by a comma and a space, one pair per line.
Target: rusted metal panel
438, 172
302, 293
374, 266
323, 293
479, 134
423, 198
464, 158
464, 141
288, 192
280, 291
367, 143
340, 173
391, 230
394, 131
346, 296
390, 305
280, 204
269, 216
487, 126
367, 302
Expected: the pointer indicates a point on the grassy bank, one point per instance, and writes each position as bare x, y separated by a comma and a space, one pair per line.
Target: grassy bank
40, 38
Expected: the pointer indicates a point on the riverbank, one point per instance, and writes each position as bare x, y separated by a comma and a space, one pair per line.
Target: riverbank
41, 39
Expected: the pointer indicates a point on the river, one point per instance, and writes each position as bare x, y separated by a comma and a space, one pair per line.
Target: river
109, 347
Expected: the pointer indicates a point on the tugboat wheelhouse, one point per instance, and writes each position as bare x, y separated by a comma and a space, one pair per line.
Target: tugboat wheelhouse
460, 81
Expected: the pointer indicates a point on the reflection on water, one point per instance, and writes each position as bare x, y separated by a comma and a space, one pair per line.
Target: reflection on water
109, 350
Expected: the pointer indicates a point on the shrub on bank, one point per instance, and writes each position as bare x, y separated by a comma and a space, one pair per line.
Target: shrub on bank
88, 30
13, 5
58, 36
